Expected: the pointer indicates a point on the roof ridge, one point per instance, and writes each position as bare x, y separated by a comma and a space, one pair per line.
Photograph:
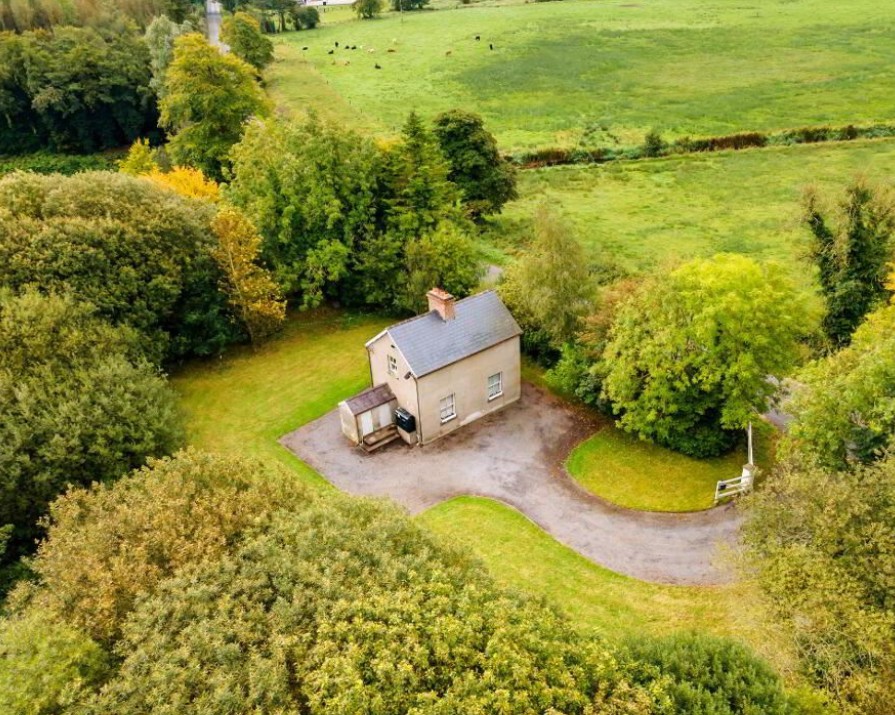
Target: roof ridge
423, 315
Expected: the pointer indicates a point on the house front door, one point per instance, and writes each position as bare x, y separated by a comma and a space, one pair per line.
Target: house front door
366, 424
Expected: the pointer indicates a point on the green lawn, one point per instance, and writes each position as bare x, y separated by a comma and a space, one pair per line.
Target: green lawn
246, 401
646, 214
600, 72
639, 475
522, 556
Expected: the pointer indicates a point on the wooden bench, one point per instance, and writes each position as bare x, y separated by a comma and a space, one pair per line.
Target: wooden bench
380, 438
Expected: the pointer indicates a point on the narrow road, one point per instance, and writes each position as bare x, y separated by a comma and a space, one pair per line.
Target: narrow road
213, 15
516, 456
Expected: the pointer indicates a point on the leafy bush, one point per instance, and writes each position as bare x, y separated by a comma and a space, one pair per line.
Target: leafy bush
139, 253
703, 675
44, 162
305, 17
653, 144
367, 9
398, 5
77, 404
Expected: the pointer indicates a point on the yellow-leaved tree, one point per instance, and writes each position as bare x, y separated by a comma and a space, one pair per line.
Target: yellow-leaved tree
140, 159
186, 181
251, 290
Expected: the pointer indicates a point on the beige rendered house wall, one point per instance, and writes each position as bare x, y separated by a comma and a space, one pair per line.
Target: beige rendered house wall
404, 390
468, 381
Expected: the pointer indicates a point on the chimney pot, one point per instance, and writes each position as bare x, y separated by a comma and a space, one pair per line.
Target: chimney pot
443, 302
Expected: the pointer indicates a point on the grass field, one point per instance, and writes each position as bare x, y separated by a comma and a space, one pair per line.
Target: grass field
244, 402
522, 556
597, 72
645, 214
639, 475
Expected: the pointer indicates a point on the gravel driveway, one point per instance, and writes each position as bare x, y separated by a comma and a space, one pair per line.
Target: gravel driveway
515, 456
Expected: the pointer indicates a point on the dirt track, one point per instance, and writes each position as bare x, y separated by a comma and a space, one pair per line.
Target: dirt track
516, 457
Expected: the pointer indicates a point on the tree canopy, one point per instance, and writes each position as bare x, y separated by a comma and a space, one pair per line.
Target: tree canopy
690, 353
139, 253
851, 247
78, 404
820, 546
208, 97
486, 179
844, 404
242, 34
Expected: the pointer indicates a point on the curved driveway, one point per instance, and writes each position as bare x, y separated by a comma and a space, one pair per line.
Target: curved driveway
516, 456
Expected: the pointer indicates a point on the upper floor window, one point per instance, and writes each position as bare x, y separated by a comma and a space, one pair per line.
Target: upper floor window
392, 365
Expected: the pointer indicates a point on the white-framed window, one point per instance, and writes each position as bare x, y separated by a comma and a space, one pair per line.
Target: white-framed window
495, 385
447, 408
392, 365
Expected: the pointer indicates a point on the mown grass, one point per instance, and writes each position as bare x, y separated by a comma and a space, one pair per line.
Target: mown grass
645, 215
244, 402
581, 71
522, 556
639, 475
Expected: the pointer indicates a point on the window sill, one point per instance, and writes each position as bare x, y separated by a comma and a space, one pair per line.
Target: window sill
448, 419
494, 397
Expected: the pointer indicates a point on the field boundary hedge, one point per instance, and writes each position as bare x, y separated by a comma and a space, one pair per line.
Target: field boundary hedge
654, 146
44, 162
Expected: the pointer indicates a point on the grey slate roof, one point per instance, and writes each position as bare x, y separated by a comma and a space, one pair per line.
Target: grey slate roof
370, 398
429, 343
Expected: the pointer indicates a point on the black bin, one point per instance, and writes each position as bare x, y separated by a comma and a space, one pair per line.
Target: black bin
405, 420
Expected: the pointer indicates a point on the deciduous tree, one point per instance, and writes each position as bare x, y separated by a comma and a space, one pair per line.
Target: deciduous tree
549, 288
844, 404
242, 33
77, 404
820, 546
207, 100
690, 354
486, 179
253, 294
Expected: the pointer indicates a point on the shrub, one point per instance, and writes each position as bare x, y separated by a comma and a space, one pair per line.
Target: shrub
305, 17
703, 675
653, 144
77, 405
44, 162
367, 9
137, 252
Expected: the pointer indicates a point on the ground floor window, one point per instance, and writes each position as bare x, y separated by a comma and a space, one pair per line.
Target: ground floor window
495, 385
447, 408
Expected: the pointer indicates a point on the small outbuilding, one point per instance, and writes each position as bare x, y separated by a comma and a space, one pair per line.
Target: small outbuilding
444, 369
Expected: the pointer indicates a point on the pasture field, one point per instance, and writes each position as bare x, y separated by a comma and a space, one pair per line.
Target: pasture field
646, 214
245, 401
599, 72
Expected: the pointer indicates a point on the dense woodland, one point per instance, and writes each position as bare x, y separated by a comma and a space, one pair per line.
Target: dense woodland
141, 575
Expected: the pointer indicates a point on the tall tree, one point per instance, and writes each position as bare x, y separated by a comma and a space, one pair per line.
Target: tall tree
242, 33
549, 288
690, 353
208, 98
486, 179
253, 294
821, 546
844, 404
851, 248
159, 38
77, 404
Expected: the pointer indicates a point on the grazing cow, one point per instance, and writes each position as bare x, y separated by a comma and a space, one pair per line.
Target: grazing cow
336, 44
448, 53
353, 47
304, 48
490, 46
391, 49
330, 52
372, 49
377, 66
478, 37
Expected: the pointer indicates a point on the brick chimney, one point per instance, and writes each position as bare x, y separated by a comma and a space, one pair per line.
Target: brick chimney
443, 302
